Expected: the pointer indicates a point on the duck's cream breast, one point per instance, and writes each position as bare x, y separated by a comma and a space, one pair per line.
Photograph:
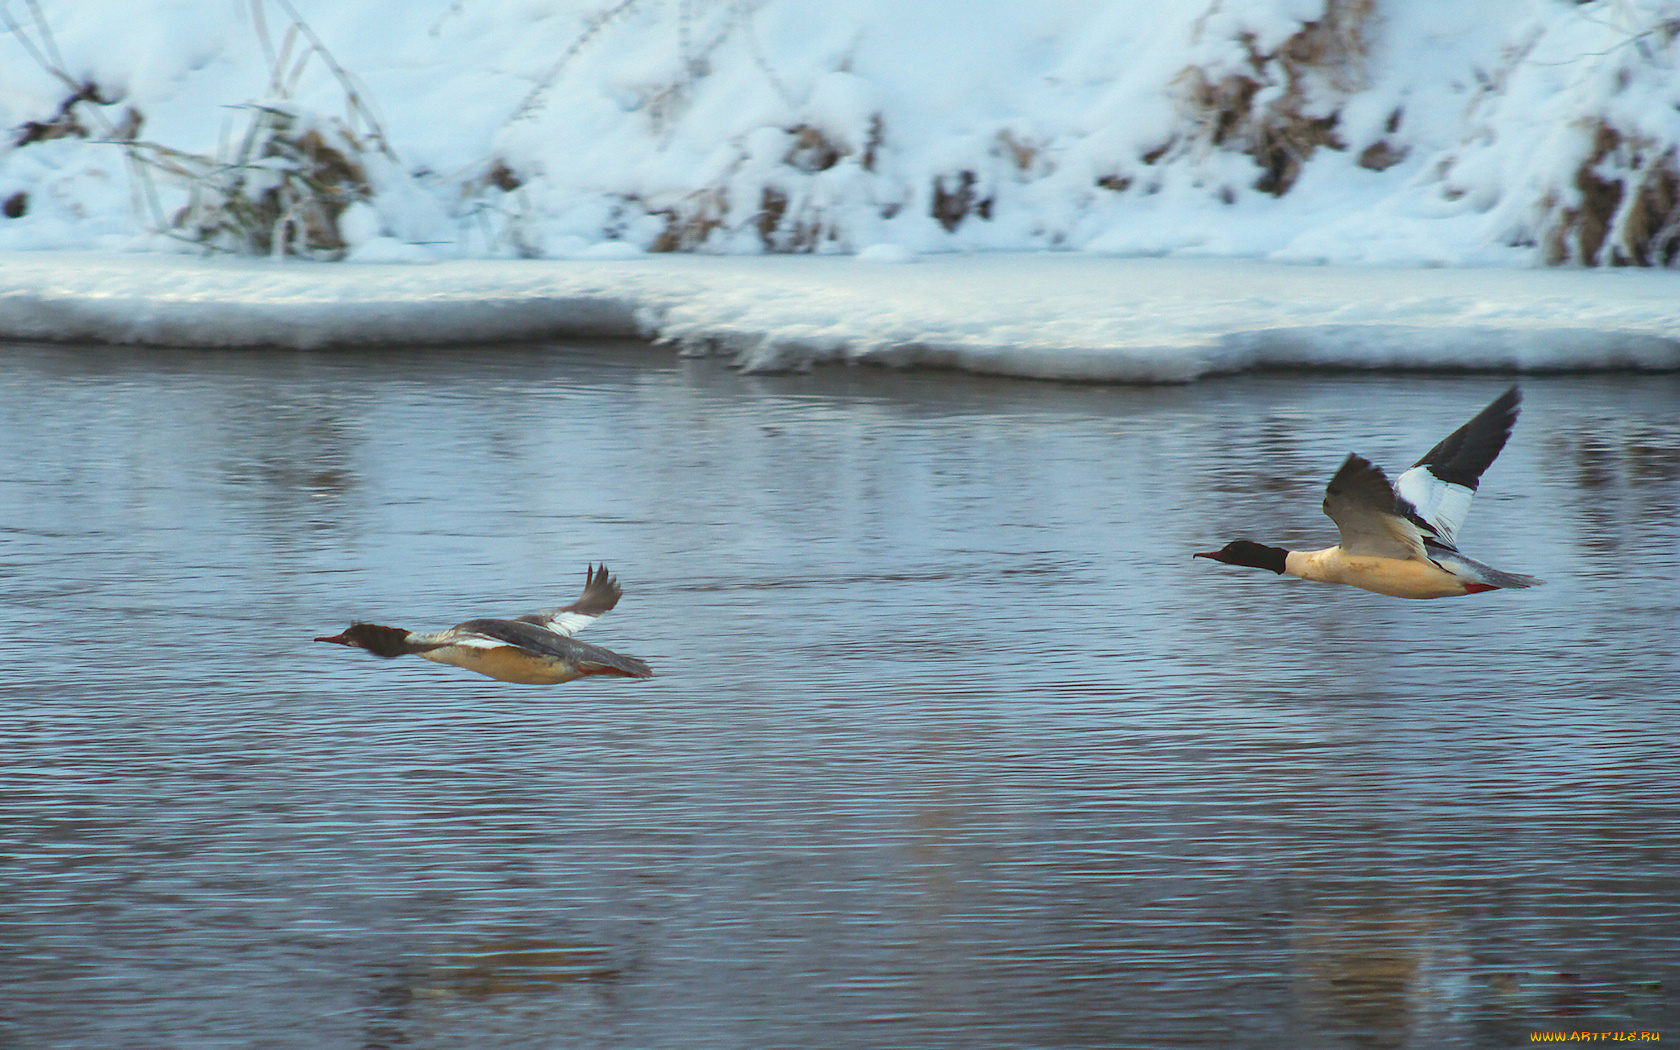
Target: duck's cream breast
1394, 577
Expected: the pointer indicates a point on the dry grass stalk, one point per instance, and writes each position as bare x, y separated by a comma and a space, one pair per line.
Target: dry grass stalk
282, 193
690, 221
281, 190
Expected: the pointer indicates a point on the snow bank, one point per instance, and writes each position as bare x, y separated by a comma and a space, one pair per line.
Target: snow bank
1066, 316
1369, 131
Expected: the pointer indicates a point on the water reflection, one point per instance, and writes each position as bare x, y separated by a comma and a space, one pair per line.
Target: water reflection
444, 995
953, 744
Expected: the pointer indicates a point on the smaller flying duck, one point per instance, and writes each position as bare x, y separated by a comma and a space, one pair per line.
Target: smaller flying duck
534, 649
1401, 539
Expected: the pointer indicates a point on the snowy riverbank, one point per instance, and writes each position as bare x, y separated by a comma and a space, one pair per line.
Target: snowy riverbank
1052, 316
1375, 132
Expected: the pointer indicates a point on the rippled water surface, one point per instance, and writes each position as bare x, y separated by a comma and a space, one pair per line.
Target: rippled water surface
952, 745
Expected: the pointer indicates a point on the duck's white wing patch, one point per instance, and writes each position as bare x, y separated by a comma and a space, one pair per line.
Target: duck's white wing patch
600, 593
1438, 489
1361, 502
1437, 507
559, 621
464, 640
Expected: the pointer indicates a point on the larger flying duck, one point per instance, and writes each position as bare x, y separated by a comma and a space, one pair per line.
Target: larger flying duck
1401, 539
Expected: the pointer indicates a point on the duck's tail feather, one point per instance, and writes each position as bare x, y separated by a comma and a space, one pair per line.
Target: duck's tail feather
1474, 571
620, 666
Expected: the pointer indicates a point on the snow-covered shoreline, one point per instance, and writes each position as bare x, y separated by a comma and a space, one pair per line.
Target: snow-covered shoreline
1372, 132
1046, 316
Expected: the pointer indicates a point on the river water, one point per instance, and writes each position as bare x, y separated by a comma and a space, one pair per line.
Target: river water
952, 743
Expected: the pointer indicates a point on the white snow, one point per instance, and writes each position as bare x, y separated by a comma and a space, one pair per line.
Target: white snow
1034, 315
519, 128
511, 164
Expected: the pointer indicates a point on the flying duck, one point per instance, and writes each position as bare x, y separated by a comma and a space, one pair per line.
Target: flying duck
1400, 539
534, 649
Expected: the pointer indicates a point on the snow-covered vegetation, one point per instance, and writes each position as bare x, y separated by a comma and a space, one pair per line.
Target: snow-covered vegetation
1371, 131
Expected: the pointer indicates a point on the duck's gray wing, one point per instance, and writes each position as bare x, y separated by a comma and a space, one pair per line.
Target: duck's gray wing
490, 633
600, 593
1361, 502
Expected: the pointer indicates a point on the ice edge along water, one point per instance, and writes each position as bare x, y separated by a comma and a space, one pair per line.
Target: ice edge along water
1049, 316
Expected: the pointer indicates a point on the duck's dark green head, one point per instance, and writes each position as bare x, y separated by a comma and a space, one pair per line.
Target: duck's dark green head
1247, 552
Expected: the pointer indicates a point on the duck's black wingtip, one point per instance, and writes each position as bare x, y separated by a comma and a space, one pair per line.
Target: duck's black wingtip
1464, 455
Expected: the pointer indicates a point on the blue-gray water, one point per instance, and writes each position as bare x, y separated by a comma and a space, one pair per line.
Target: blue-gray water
953, 745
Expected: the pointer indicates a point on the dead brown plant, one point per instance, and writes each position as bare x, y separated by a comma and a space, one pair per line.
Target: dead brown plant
1325, 59
1625, 209
690, 221
281, 193
956, 197
812, 150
